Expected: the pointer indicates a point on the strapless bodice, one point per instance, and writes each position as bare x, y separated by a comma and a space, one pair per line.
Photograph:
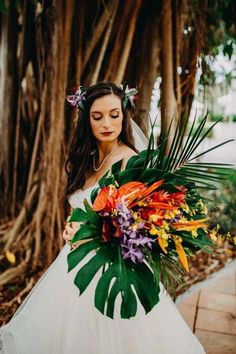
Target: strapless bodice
76, 199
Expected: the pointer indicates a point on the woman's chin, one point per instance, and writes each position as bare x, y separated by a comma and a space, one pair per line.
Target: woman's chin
107, 139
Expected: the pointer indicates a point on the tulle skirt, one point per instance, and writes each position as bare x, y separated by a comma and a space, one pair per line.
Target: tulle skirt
54, 319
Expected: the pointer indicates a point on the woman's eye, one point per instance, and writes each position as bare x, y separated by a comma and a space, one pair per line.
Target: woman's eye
97, 118
116, 116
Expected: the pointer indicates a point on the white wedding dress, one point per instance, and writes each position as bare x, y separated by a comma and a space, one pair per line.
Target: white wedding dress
54, 319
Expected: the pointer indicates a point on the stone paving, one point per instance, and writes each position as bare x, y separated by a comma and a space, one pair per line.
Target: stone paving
211, 314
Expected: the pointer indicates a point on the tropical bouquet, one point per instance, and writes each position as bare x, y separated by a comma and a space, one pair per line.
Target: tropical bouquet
144, 221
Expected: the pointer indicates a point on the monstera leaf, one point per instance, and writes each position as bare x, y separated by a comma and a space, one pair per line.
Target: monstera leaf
106, 260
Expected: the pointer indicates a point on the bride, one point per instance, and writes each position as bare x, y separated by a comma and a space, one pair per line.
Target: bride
54, 319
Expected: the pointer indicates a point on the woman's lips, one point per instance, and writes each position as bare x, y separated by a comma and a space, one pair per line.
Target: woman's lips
106, 133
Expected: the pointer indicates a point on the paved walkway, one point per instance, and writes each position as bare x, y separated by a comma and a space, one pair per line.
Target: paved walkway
211, 313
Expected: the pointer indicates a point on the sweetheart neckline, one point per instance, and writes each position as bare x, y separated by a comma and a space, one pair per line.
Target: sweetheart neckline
94, 186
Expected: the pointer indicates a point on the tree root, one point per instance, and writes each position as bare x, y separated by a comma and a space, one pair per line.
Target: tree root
12, 273
21, 293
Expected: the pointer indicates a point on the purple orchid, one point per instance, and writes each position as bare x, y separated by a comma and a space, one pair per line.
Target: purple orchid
76, 99
133, 253
134, 243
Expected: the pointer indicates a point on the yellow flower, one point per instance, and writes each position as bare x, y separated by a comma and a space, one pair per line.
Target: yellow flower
203, 206
136, 215
170, 214
180, 251
153, 217
163, 244
192, 212
153, 231
234, 239
165, 225
185, 207
163, 234
142, 203
194, 233
135, 227
182, 220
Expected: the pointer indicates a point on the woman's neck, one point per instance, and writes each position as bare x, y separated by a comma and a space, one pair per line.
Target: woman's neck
105, 148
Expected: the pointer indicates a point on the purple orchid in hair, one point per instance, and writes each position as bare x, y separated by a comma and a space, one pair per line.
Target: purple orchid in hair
77, 99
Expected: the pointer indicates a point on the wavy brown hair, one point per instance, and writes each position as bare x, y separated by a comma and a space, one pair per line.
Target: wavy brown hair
79, 161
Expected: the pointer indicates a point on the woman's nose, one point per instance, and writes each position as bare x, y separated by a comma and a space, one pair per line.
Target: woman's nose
106, 122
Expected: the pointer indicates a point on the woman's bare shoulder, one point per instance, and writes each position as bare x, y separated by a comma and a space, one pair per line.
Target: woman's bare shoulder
125, 153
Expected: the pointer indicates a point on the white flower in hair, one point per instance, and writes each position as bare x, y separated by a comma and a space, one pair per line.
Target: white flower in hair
129, 95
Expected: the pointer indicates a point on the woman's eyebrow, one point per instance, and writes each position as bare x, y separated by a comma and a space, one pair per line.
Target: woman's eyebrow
113, 109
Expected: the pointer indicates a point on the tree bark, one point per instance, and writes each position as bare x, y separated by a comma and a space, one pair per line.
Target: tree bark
168, 99
8, 102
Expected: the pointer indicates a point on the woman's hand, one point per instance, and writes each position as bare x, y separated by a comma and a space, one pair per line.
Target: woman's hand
70, 230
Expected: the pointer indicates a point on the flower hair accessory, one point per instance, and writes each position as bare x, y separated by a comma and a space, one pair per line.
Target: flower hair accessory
77, 99
129, 95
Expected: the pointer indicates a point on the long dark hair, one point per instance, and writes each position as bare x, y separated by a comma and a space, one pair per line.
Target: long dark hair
79, 159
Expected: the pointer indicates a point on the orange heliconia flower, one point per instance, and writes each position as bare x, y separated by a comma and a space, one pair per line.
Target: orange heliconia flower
130, 191
146, 191
110, 195
190, 224
105, 198
151, 188
160, 205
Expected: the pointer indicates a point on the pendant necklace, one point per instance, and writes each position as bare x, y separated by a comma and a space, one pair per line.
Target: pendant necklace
97, 169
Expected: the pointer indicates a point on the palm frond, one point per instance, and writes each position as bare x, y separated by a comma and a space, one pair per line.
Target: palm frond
172, 273
179, 158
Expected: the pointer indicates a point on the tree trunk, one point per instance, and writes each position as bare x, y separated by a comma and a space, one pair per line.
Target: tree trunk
145, 68
168, 99
8, 103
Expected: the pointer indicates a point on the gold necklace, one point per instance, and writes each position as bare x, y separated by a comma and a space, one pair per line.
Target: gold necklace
97, 169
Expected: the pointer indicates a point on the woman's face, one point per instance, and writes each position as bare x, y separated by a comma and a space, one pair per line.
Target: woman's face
106, 118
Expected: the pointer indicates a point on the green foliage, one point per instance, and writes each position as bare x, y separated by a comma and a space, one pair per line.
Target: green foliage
234, 118
219, 37
4, 7
225, 199
216, 117
220, 28
127, 275
140, 281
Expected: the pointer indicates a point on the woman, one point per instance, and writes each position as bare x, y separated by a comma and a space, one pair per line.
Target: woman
53, 318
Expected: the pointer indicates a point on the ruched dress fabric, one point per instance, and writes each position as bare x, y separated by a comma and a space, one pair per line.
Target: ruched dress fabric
54, 319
